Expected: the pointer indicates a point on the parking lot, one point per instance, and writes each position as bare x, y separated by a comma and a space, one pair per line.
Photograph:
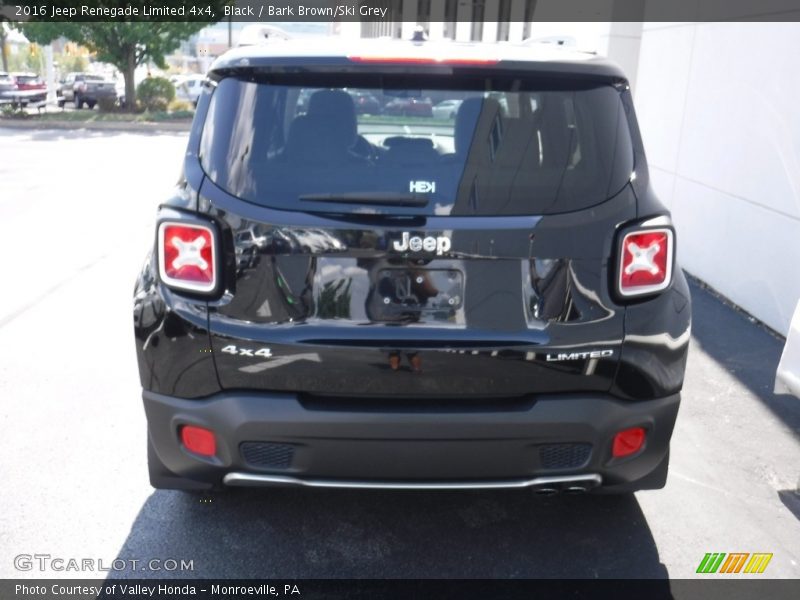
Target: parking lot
76, 216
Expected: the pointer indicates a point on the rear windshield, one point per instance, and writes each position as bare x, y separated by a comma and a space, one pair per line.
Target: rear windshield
471, 147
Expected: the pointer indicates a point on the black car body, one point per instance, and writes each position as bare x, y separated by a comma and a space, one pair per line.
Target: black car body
488, 302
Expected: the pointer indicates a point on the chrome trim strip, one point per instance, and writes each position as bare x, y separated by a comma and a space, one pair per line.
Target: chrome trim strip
253, 479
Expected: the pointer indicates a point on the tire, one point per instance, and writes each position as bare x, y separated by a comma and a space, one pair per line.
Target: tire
61, 102
91, 103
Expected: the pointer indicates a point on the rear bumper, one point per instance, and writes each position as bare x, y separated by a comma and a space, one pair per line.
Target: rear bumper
95, 96
278, 439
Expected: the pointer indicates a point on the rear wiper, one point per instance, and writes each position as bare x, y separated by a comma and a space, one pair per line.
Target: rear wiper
374, 198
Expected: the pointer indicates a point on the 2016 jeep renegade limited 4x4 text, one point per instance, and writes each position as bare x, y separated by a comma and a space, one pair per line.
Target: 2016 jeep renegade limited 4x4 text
480, 297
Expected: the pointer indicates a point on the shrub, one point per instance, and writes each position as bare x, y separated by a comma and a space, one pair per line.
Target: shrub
180, 106
12, 111
155, 93
107, 104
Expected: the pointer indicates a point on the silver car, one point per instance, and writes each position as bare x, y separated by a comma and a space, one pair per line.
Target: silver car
446, 109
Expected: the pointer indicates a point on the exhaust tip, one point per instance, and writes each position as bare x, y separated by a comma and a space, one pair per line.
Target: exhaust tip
546, 491
576, 489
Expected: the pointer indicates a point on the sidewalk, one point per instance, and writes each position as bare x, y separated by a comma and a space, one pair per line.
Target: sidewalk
58, 118
147, 126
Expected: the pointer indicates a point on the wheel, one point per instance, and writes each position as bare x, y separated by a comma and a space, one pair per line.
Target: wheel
61, 103
78, 101
91, 103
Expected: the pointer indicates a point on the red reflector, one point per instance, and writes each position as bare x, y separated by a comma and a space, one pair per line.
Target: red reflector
198, 440
645, 264
187, 256
627, 442
423, 60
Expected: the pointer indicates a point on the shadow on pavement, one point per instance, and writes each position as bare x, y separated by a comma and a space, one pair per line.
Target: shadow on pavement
375, 534
744, 349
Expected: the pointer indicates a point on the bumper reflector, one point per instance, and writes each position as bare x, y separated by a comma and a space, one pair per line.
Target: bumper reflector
198, 440
628, 441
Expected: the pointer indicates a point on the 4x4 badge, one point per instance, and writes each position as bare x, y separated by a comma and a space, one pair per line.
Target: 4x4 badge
262, 352
439, 244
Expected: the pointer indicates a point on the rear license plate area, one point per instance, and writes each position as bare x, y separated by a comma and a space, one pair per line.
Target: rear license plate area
420, 289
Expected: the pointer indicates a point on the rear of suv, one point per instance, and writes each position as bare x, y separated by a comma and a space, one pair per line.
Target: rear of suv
391, 300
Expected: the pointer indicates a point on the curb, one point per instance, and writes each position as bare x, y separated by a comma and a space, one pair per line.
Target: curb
153, 127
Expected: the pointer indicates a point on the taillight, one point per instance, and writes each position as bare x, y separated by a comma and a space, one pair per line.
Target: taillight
628, 441
645, 262
199, 440
187, 256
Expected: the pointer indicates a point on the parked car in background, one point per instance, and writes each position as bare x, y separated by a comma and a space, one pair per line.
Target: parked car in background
6, 82
365, 102
189, 88
84, 88
28, 81
409, 107
446, 109
22, 89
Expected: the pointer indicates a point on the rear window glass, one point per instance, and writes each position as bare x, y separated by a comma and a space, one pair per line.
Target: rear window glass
473, 147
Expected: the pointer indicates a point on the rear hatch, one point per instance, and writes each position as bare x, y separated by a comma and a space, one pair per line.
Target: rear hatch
447, 256
97, 86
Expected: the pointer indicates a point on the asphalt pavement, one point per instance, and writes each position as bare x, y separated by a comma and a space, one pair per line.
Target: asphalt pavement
76, 217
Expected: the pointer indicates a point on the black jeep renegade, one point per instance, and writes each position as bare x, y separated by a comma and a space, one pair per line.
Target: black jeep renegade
469, 285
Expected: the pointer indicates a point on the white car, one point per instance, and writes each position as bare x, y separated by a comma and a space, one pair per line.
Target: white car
189, 89
787, 379
446, 109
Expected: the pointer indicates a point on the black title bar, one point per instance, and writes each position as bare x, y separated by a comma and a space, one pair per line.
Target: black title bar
402, 10
397, 589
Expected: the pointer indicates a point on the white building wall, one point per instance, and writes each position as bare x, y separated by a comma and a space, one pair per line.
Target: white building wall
718, 108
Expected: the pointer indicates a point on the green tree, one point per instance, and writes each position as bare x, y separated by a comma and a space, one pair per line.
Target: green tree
126, 45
